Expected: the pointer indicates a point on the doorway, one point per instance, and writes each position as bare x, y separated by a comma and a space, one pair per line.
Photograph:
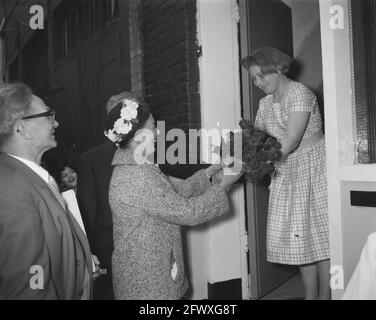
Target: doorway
293, 27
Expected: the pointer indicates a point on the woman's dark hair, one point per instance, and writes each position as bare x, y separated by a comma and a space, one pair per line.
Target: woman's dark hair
62, 167
269, 60
55, 160
143, 114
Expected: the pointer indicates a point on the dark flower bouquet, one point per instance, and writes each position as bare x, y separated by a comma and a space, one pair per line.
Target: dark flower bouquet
260, 151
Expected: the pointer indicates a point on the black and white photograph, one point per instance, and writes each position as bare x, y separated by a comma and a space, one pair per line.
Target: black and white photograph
209, 152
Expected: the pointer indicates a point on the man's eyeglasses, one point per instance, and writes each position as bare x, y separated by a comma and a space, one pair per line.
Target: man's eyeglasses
50, 114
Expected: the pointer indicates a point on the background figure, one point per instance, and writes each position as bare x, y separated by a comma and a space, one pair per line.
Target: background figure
43, 252
149, 209
297, 225
67, 177
94, 174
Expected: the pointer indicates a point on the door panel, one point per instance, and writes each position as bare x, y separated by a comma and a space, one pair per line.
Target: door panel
262, 23
82, 85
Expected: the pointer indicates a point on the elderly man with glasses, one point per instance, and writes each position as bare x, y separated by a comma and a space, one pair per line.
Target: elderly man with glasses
43, 252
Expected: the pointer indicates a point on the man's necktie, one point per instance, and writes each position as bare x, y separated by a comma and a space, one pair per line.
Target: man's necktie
53, 183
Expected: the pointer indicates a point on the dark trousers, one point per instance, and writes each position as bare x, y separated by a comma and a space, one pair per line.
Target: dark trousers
102, 286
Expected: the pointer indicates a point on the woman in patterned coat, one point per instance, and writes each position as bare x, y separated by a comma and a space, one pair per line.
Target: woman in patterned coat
149, 209
297, 227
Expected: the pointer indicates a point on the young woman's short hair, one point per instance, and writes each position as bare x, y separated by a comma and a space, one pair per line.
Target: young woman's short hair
269, 60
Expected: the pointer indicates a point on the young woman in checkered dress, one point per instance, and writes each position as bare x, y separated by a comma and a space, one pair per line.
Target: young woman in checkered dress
297, 227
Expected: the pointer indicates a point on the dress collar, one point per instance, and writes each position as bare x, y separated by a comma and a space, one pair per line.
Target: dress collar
287, 89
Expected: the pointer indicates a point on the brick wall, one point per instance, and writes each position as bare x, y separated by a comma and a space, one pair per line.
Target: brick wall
171, 73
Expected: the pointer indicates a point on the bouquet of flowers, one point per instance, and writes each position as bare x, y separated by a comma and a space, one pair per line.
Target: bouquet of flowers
260, 151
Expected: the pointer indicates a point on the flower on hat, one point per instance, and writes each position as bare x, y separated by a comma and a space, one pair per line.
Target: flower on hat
131, 103
129, 112
124, 125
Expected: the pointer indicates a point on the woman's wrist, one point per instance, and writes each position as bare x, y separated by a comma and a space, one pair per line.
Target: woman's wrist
287, 147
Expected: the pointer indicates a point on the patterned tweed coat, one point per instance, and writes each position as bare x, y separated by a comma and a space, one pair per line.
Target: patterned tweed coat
148, 212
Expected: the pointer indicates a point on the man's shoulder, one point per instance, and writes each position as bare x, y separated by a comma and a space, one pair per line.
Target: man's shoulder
15, 175
13, 182
7, 174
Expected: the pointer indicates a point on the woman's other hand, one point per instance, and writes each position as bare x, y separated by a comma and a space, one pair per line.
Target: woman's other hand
218, 177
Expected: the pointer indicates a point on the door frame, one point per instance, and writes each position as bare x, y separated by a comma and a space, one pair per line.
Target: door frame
248, 114
282, 273
340, 135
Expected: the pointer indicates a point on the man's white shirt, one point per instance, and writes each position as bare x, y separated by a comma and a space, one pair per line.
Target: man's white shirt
43, 173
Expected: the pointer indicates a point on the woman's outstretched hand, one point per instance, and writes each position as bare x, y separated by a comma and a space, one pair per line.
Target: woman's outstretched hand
213, 170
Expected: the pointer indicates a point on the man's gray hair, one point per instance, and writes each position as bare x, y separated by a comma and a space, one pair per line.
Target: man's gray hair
116, 99
15, 100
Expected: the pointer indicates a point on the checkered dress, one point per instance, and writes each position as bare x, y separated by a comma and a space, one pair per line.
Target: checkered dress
297, 227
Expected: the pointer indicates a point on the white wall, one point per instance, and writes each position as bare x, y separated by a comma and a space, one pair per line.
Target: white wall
215, 250
307, 41
357, 224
